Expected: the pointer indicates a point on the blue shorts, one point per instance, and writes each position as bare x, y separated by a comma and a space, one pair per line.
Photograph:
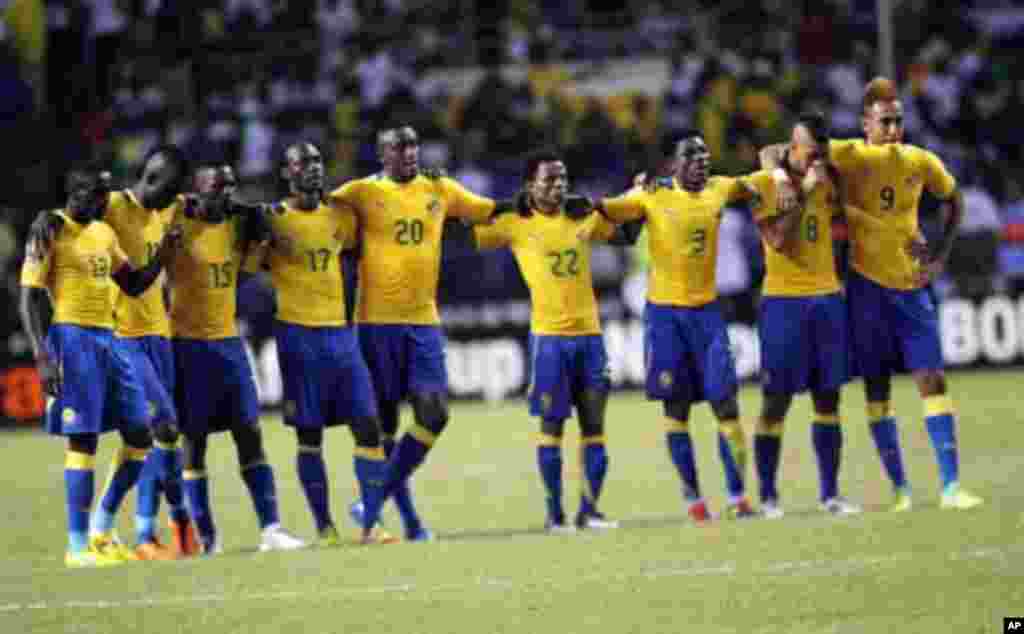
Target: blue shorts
325, 378
99, 389
687, 354
562, 368
153, 362
804, 344
404, 360
893, 331
216, 389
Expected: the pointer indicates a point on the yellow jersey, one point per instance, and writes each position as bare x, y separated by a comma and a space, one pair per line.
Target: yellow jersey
77, 271
401, 226
807, 267
140, 230
304, 260
682, 228
885, 182
553, 253
204, 278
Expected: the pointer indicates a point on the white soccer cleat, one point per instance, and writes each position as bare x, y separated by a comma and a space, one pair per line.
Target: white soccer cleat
276, 538
559, 529
770, 510
212, 549
595, 522
839, 506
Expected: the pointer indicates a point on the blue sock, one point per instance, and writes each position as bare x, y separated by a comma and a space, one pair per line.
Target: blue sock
732, 448
313, 477
197, 490
404, 458
549, 460
371, 472
79, 480
147, 502
125, 470
941, 430
827, 437
887, 441
595, 467
403, 495
259, 478
170, 481
767, 447
680, 448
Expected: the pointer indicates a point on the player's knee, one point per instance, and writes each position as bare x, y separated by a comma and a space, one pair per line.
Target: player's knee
166, 432
248, 443
826, 402
877, 389
931, 382
728, 409
553, 428
84, 443
775, 406
590, 410
137, 438
365, 432
389, 415
310, 437
677, 410
431, 412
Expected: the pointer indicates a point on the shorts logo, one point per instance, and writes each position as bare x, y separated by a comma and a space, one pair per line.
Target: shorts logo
68, 415
151, 406
434, 206
545, 402
665, 378
766, 377
290, 409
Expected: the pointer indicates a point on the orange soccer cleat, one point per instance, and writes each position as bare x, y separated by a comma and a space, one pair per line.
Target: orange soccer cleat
153, 550
183, 538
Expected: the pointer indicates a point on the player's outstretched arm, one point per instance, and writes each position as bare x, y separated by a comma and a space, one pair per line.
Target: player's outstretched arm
135, 282
45, 228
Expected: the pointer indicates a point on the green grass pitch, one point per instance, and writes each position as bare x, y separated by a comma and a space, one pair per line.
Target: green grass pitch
494, 570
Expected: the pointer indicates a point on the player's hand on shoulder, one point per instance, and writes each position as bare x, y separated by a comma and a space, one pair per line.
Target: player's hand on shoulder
787, 197
44, 229
578, 206
433, 173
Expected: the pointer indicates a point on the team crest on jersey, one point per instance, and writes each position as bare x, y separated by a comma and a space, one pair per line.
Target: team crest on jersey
68, 415
665, 378
434, 206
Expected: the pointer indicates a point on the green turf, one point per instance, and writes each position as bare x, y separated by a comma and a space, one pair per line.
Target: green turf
493, 570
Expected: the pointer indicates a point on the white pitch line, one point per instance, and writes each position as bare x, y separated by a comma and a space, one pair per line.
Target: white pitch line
797, 567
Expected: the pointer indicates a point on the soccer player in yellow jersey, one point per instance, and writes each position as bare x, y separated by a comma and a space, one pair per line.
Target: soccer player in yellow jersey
95, 388
140, 216
326, 381
803, 325
686, 344
568, 363
892, 316
216, 391
401, 213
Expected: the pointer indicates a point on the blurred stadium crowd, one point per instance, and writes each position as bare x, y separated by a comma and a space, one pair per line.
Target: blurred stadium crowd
238, 80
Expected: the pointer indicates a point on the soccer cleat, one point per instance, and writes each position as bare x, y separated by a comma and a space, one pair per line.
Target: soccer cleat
109, 545
183, 538
378, 536
211, 548
328, 537
953, 497
839, 506
276, 538
559, 528
902, 502
89, 559
698, 511
356, 511
595, 521
153, 550
422, 535
770, 510
741, 509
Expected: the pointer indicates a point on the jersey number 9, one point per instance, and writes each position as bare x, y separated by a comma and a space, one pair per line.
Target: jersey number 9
888, 195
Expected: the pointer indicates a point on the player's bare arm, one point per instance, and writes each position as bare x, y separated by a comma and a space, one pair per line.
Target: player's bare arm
933, 260
135, 281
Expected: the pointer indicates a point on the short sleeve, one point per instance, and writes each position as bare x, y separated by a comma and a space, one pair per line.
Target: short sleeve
630, 206
346, 197
348, 228
464, 204
762, 184
117, 254
36, 268
599, 229
937, 179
